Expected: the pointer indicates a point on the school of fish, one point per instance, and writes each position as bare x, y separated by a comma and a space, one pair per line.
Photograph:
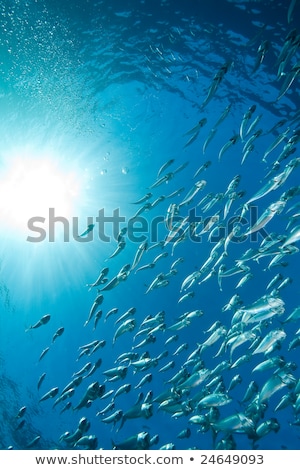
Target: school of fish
241, 334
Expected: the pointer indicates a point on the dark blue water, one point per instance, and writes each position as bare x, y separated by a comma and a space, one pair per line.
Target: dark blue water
104, 93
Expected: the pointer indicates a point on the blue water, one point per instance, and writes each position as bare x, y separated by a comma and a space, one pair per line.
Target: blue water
107, 90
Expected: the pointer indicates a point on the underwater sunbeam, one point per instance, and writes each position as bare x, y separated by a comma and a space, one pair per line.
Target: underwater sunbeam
30, 186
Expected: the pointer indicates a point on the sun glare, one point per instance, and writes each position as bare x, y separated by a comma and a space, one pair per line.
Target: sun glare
30, 186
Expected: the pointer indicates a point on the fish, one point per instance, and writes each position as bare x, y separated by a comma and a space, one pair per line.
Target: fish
232, 141
247, 116
215, 400
98, 301
143, 199
186, 296
213, 130
112, 311
98, 315
290, 37
291, 10
122, 389
293, 237
58, 333
277, 278
126, 326
182, 347
198, 186
43, 353
294, 316
88, 442
120, 247
139, 253
93, 391
21, 412
42, 321
100, 280
146, 266
236, 423
276, 142
83, 370
238, 340
93, 368
217, 79
163, 179
143, 364
41, 379
74, 383
71, 438
249, 142
146, 379
116, 373
113, 418
165, 166
107, 408
140, 441
90, 227
274, 209
141, 410
274, 182
290, 77
184, 434
251, 391
272, 337
265, 427
115, 281
50, 394
68, 394
275, 383
210, 136
131, 311
33, 442
261, 52
168, 366
195, 131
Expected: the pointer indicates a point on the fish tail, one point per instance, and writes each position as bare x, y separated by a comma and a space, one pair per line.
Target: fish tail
121, 425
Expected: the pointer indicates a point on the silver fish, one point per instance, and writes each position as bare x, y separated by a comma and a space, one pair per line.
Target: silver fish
100, 280
261, 52
272, 337
165, 166
143, 199
140, 441
195, 131
98, 301
58, 333
43, 321
290, 77
139, 253
214, 399
216, 82
125, 327
232, 141
247, 116
237, 423
51, 394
